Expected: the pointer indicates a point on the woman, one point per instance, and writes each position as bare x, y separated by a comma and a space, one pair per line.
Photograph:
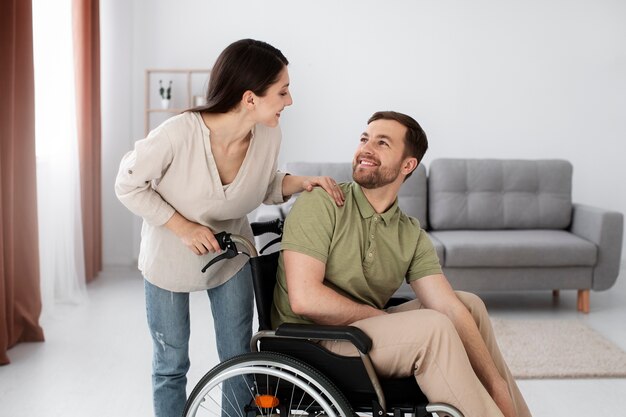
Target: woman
198, 173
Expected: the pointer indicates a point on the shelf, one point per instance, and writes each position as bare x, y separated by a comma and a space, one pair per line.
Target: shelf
186, 84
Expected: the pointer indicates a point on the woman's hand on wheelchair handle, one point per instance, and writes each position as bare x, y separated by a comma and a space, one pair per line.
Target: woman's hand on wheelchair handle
198, 238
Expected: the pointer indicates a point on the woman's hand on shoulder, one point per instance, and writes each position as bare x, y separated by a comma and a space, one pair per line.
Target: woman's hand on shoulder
328, 184
198, 238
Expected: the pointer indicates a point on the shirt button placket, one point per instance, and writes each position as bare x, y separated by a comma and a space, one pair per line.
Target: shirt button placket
370, 254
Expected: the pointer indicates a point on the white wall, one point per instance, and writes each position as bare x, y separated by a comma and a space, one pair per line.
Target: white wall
117, 125
486, 78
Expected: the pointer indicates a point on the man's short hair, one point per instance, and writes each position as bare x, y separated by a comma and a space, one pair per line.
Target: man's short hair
415, 141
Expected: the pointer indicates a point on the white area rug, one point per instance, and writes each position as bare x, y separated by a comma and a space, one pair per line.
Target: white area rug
558, 349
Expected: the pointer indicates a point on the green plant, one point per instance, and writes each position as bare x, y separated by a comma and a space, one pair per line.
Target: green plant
165, 94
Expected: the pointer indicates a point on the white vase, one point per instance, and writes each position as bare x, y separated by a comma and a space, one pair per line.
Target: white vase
165, 103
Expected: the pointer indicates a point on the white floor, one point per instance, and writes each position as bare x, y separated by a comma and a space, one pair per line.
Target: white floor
96, 358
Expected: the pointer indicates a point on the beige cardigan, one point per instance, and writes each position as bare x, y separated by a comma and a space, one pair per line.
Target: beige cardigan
173, 169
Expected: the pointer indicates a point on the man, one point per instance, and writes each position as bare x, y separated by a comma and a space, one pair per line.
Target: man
340, 265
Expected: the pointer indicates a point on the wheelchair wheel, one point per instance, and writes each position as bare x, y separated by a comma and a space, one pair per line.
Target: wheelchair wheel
265, 385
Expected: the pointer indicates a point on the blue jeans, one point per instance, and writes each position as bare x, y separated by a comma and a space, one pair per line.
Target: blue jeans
232, 306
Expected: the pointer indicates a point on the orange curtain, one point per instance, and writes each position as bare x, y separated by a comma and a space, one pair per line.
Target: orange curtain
20, 296
85, 15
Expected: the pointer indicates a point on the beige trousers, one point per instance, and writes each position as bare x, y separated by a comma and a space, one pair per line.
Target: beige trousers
422, 342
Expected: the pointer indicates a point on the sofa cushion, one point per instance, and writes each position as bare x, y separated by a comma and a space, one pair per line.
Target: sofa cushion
499, 194
515, 248
438, 248
412, 197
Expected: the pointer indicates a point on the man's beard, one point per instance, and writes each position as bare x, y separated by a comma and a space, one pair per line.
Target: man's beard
374, 178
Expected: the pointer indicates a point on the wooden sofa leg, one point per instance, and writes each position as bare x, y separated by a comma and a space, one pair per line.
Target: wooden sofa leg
583, 301
556, 293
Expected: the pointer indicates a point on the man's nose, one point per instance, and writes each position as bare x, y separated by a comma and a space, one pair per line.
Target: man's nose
367, 148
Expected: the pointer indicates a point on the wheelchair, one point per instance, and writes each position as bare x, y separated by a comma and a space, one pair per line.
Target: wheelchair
288, 374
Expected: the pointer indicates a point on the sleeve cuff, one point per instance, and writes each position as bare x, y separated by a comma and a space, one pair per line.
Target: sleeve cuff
275, 190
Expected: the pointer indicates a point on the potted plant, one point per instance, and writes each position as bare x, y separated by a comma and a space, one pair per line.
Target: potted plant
166, 94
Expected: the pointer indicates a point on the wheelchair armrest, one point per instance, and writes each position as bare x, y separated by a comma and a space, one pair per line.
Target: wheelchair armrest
351, 334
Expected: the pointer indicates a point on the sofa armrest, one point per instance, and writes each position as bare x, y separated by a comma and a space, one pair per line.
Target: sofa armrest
605, 229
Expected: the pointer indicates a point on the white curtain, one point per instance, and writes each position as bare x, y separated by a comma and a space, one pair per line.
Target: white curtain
58, 189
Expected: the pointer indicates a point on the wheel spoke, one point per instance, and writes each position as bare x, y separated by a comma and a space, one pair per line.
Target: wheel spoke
293, 392
275, 393
300, 401
238, 407
210, 397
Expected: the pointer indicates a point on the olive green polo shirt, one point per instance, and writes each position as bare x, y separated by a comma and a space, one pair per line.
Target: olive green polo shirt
367, 255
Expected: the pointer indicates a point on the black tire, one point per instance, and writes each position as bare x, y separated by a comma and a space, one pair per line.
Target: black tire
268, 385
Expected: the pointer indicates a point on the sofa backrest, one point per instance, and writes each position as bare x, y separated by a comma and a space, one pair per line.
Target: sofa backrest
499, 194
412, 197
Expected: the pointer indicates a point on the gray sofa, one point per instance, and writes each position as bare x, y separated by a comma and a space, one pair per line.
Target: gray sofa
503, 224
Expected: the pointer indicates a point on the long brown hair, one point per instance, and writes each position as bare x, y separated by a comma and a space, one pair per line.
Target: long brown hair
244, 65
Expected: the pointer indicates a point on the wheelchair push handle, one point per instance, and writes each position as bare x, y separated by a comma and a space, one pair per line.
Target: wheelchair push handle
273, 226
228, 242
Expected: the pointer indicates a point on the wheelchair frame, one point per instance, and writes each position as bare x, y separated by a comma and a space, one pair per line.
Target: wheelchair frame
276, 364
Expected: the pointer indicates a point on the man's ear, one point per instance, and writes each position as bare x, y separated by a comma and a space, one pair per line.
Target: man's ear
409, 165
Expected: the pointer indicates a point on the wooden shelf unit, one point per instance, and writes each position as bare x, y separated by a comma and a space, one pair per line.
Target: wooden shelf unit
152, 105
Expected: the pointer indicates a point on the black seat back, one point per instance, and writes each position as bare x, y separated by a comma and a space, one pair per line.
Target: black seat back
264, 278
